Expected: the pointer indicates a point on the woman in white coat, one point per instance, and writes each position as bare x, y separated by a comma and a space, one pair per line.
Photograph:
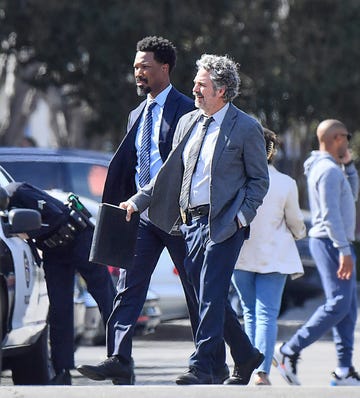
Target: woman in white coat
266, 258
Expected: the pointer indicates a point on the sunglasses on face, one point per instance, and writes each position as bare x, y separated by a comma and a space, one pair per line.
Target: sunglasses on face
348, 136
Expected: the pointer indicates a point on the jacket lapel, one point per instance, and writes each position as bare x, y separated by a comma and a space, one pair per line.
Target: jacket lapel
169, 113
135, 116
226, 129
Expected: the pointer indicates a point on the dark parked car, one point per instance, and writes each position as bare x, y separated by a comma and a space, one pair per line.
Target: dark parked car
60, 171
296, 291
84, 172
70, 170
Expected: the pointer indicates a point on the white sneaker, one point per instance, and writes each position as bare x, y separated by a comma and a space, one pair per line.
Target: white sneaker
286, 365
352, 379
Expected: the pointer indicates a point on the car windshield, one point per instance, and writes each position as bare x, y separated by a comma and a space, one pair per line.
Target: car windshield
84, 179
4, 178
87, 179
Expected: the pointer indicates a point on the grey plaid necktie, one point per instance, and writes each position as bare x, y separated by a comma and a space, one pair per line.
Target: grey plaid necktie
144, 159
191, 164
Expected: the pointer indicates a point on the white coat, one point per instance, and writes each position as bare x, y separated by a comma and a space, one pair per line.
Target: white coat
279, 221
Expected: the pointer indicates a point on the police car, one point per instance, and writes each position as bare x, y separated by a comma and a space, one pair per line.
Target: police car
24, 302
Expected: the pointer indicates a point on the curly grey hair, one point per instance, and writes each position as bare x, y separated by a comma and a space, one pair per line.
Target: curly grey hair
223, 73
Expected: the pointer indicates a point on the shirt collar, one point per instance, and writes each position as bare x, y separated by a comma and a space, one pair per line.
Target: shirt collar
161, 97
220, 114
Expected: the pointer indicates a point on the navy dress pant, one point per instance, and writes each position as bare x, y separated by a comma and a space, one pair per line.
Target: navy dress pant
134, 282
209, 267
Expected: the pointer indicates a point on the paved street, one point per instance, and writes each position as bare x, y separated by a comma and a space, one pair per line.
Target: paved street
159, 362
160, 357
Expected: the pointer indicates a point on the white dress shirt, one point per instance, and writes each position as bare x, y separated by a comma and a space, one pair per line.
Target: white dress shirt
157, 112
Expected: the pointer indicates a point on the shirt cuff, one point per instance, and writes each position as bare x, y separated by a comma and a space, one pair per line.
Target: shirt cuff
345, 250
242, 219
133, 205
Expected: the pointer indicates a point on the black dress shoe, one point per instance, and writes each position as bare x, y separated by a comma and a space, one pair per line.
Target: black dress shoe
112, 368
194, 376
242, 372
62, 378
220, 375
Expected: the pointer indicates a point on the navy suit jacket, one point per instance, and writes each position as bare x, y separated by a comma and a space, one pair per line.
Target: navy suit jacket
120, 180
239, 176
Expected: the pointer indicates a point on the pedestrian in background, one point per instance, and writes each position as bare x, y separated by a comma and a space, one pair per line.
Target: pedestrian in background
333, 186
64, 240
212, 183
138, 159
267, 258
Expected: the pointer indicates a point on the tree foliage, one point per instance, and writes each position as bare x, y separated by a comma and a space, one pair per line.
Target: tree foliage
298, 58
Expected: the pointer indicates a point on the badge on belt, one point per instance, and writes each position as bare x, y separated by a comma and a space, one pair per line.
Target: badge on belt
183, 215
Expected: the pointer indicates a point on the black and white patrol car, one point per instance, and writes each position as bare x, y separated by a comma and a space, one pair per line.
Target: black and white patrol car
24, 302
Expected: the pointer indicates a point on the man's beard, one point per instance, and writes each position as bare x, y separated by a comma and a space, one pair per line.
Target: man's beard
143, 91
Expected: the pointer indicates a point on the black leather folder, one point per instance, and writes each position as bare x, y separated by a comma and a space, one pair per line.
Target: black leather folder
114, 238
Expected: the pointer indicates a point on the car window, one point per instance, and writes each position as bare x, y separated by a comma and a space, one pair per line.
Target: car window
4, 179
87, 179
83, 178
44, 175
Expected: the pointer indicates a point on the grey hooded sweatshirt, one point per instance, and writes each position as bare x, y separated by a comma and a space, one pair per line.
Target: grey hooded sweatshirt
333, 190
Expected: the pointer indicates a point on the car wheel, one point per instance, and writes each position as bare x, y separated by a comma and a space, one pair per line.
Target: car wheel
34, 367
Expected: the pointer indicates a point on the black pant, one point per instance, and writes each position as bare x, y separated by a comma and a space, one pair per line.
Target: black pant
60, 265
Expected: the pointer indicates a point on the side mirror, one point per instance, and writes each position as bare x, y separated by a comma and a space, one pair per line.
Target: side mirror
21, 221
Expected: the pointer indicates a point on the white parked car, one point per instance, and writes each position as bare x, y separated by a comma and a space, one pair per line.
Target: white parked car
165, 283
24, 302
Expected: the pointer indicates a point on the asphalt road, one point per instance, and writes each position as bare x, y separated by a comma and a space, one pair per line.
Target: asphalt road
158, 362
161, 357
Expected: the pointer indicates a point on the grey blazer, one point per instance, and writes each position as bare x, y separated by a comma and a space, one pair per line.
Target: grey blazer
239, 176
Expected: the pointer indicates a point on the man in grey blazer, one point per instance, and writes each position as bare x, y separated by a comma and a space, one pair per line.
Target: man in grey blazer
228, 183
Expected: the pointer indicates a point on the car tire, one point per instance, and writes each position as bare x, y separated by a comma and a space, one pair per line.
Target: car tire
34, 367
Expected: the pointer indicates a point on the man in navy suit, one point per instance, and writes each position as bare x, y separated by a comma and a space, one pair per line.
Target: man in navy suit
155, 58
214, 200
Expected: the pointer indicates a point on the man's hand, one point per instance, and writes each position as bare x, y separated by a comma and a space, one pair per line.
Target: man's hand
346, 266
347, 158
129, 209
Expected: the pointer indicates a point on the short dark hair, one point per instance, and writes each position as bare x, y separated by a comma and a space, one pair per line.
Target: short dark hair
164, 51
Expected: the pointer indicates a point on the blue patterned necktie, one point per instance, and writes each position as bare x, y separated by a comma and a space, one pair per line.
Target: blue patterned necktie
191, 164
145, 149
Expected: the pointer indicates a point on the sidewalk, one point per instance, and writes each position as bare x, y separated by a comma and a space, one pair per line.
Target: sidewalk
177, 392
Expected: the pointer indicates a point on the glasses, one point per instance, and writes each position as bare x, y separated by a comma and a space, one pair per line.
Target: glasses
348, 136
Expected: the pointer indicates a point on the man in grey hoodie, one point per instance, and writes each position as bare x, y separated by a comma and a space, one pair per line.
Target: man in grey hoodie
333, 186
